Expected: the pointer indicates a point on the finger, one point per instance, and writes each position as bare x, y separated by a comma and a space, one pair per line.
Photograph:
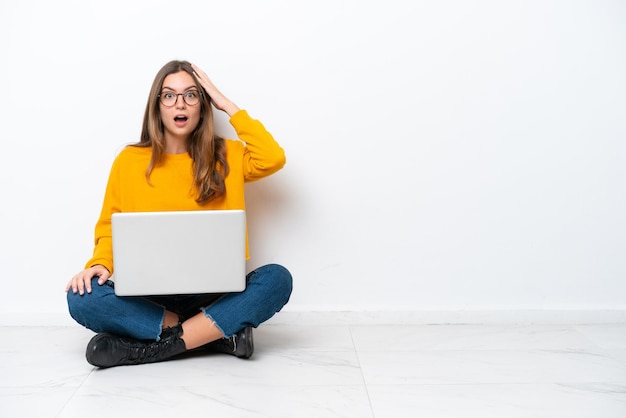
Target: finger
204, 79
103, 277
80, 286
199, 74
84, 281
87, 282
73, 284
198, 71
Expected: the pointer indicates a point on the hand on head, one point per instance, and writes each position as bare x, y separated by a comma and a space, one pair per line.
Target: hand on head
219, 100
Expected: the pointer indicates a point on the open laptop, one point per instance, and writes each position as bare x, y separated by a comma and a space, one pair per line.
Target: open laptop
183, 252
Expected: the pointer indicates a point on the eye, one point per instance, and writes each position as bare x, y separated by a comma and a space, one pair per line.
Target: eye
192, 94
168, 95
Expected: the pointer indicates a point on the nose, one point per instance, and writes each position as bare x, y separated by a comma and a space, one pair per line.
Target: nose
180, 104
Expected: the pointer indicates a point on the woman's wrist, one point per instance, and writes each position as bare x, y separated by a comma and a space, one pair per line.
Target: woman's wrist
230, 108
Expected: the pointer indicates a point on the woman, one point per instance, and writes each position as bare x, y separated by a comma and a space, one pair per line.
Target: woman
179, 164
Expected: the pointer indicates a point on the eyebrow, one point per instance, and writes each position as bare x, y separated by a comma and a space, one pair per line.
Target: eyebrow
188, 88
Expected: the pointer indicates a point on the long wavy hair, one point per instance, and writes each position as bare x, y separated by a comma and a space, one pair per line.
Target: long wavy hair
207, 150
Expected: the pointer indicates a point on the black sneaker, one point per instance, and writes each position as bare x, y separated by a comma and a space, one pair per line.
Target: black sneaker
108, 350
240, 345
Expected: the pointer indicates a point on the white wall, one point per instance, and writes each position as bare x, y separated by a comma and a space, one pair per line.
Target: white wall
442, 155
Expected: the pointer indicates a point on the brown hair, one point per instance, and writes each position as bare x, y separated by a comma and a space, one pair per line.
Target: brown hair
207, 150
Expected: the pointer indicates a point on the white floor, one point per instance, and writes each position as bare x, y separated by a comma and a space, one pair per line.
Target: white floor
345, 371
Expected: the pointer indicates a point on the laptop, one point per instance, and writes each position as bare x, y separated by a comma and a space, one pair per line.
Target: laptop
181, 252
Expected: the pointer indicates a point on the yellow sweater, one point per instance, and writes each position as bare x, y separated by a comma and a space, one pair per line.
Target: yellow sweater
172, 188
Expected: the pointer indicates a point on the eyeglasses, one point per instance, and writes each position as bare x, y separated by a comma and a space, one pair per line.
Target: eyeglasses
169, 98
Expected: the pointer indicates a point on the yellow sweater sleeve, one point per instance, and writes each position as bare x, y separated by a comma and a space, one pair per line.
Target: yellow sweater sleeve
262, 155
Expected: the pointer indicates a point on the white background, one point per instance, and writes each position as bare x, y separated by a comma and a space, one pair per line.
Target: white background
442, 155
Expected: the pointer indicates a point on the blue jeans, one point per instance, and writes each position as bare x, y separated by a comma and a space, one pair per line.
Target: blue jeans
268, 290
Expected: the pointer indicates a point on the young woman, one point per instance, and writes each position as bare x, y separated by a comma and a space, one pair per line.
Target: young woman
179, 164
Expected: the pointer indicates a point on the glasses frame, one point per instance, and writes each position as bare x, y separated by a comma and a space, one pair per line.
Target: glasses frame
180, 94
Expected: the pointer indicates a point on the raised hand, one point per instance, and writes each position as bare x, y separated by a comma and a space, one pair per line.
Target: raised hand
219, 100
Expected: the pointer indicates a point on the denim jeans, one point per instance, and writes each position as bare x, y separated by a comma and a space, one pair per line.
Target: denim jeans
268, 290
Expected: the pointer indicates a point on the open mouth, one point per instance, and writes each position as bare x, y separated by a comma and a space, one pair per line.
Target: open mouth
180, 119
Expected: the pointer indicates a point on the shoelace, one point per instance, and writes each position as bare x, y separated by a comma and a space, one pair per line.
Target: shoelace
148, 351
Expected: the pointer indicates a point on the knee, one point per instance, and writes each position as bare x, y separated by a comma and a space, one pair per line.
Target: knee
82, 307
79, 305
75, 305
282, 279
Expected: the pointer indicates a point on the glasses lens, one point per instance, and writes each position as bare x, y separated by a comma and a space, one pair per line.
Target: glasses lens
168, 98
192, 97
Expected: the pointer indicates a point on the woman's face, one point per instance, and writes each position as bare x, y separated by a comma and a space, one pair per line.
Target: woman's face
180, 118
